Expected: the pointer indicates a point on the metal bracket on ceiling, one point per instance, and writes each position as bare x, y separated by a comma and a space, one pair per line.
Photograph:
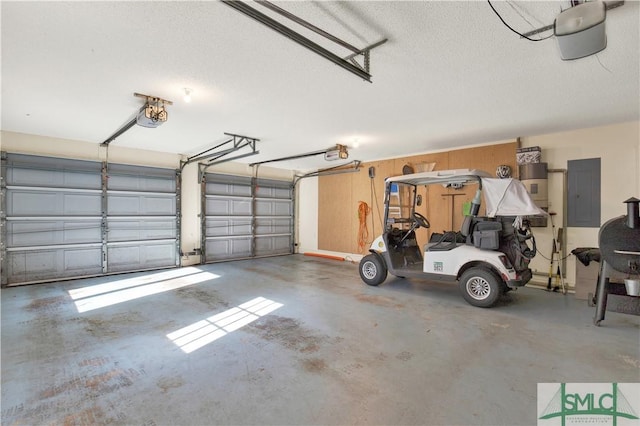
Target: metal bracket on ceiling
216, 157
366, 54
349, 63
153, 100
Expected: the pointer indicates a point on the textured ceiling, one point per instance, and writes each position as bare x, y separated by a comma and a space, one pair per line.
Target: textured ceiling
450, 75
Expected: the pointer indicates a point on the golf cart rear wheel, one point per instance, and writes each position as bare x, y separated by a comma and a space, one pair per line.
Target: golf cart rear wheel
372, 269
480, 287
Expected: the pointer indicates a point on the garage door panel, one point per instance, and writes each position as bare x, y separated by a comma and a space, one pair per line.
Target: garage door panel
139, 175
123, 205
141, 204
273, 226
159, 205
141, 256
41, 162
229, 189
228, 226
232, 190
23, 233
263, 191
142, 183
267, 245
216, 206
30, 203
38, 265
79, 232
24, 202
55, 179
79, 260
232, 248
133, 229
273, 208
228, 185
35, 262
81, 204
33, 170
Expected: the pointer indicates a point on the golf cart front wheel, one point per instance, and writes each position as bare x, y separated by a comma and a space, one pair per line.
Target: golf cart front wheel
372, 269
480, 287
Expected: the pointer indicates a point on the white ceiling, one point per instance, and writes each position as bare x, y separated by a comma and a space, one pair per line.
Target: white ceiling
450, 75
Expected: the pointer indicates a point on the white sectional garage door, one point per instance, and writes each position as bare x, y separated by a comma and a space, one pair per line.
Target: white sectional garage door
66, 218
246, 217
142, 212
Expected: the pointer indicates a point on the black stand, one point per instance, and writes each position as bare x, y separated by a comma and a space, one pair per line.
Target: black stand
613, 293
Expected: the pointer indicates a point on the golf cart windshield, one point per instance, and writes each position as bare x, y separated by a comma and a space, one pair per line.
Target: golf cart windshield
401, 199
401, 204
503, 197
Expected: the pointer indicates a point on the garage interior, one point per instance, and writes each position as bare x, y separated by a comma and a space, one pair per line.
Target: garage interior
188, 189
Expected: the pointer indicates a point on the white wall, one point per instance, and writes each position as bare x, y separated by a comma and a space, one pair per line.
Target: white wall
20, 143
41, 145
307, 214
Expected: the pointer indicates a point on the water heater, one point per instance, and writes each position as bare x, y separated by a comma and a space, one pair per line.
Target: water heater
534, 177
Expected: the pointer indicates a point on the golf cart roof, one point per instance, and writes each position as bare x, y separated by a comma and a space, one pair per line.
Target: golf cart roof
441, 176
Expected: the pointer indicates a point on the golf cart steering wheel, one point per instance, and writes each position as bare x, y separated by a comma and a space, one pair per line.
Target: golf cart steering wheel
420, 220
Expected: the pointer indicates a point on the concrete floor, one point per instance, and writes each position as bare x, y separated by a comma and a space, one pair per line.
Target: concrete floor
335, 352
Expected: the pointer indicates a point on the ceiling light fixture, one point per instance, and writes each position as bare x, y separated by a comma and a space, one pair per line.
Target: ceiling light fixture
187, 95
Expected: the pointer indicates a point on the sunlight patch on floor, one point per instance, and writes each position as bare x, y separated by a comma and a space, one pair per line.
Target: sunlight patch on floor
123, 290
203, 332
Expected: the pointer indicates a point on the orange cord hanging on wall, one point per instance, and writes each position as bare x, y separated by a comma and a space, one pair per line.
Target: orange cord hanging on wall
363, 230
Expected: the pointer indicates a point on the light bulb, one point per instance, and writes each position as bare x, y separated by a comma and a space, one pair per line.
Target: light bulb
187, 95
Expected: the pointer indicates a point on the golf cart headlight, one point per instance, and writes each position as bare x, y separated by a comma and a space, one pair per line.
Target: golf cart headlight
505, 261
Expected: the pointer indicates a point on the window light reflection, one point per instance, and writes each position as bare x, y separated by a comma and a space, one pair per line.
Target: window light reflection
93, 290
114, 292
203, 332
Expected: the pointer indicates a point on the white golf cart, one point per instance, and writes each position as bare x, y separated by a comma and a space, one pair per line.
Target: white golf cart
489, 255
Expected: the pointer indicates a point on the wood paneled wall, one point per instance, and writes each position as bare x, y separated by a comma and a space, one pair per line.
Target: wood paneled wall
338, 195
